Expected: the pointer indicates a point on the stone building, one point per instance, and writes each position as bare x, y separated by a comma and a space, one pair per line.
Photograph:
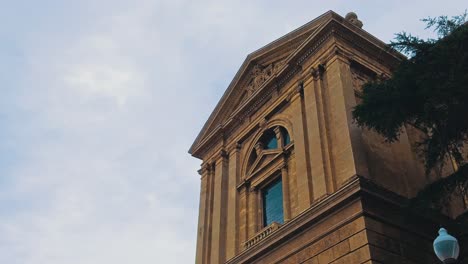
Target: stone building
287, 177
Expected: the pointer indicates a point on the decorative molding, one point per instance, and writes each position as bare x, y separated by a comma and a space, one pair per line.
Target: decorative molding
352, 18
245, 184
317, 73
361, 40
264, 233
314, 47
222, 156
260, 74
263, 124
300, 88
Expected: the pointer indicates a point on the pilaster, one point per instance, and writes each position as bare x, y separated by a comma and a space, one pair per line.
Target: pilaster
319, 145
232, 238
304, 182
243, 213
340, 99
350, 102
202, 216
207, 238
253, 211
218, 245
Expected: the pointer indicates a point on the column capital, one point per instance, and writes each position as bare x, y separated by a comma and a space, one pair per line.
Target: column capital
221, 156
234, 148
298, 92
244, 186
300, 88
318, 71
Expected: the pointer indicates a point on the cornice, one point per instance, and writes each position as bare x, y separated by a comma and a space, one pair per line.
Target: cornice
273, 46
335, 26
256, 100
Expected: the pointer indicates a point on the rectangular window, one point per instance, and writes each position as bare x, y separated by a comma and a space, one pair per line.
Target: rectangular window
272, 196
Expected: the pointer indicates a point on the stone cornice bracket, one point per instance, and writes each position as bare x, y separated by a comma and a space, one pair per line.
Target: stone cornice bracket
318, 72
237, 146
234, 148
205, 169
223, 154
300, 88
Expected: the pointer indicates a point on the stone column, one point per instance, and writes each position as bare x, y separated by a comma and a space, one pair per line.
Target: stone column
232, 242
218, 245
202, 216
304, 183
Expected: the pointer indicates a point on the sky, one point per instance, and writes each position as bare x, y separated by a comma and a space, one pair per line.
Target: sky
100, 101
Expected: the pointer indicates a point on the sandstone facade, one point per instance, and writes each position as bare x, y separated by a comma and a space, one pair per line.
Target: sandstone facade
344, 189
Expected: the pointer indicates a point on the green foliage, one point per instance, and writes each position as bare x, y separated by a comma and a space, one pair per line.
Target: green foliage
435, 194
428, 91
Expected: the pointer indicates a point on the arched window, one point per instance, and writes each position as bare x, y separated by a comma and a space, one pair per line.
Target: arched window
270, 150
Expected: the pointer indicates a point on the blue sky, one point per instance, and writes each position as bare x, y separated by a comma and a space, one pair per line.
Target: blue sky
100, 101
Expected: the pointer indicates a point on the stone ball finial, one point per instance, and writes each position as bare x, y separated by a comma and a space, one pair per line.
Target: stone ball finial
353, 19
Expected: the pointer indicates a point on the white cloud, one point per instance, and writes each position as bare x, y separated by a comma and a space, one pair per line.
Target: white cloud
100, 108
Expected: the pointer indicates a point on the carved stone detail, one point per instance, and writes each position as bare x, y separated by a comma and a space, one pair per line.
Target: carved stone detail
318, 72
264, 233
353, 19
260, 74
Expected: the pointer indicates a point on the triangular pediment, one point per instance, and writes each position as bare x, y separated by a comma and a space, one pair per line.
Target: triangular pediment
258, 68
262, 162
264, 65
253, 80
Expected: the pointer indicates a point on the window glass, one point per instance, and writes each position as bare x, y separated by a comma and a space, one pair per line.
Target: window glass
269, 140
272, 143
286, 137
273, 203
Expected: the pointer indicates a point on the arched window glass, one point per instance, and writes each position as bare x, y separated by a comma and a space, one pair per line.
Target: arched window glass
272, 143
269, 140
286, 137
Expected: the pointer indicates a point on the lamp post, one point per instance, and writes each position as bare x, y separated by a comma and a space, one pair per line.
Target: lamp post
446, 247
